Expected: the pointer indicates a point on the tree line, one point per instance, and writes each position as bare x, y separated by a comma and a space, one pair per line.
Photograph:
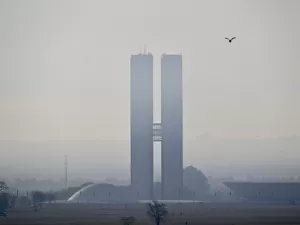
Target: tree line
34, 199
157, 212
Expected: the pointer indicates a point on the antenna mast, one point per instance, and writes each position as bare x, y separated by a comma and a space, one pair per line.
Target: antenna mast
66, 171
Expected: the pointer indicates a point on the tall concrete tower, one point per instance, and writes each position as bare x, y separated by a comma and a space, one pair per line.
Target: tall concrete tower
171, 122
141, 122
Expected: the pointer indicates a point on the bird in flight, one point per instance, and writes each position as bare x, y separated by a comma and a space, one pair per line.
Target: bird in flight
230, 39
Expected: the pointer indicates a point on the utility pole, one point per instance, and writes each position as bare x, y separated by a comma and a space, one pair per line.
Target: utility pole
66, 171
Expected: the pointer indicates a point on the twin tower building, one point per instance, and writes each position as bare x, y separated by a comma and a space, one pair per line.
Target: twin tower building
144, 131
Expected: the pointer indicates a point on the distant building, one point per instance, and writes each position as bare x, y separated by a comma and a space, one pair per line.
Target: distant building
195, 181
171, 120
144, 131
141, 122
266, 191
102, 193
108, 193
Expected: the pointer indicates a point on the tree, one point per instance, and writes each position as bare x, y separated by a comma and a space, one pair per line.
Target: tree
51, 197
23, 201
157, 212
128, 220
37, 198
3, 186
4, 202
4, 198
12, 201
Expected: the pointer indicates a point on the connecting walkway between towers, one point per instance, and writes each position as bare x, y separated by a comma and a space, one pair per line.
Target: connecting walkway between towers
157, 135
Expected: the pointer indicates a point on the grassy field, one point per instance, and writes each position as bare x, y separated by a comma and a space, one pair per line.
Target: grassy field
207, 213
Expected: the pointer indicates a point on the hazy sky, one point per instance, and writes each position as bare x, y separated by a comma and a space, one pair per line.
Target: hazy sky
64, 66
64, 75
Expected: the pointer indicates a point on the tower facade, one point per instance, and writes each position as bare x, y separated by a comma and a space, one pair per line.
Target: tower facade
141, 122
144, 132
171, 121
